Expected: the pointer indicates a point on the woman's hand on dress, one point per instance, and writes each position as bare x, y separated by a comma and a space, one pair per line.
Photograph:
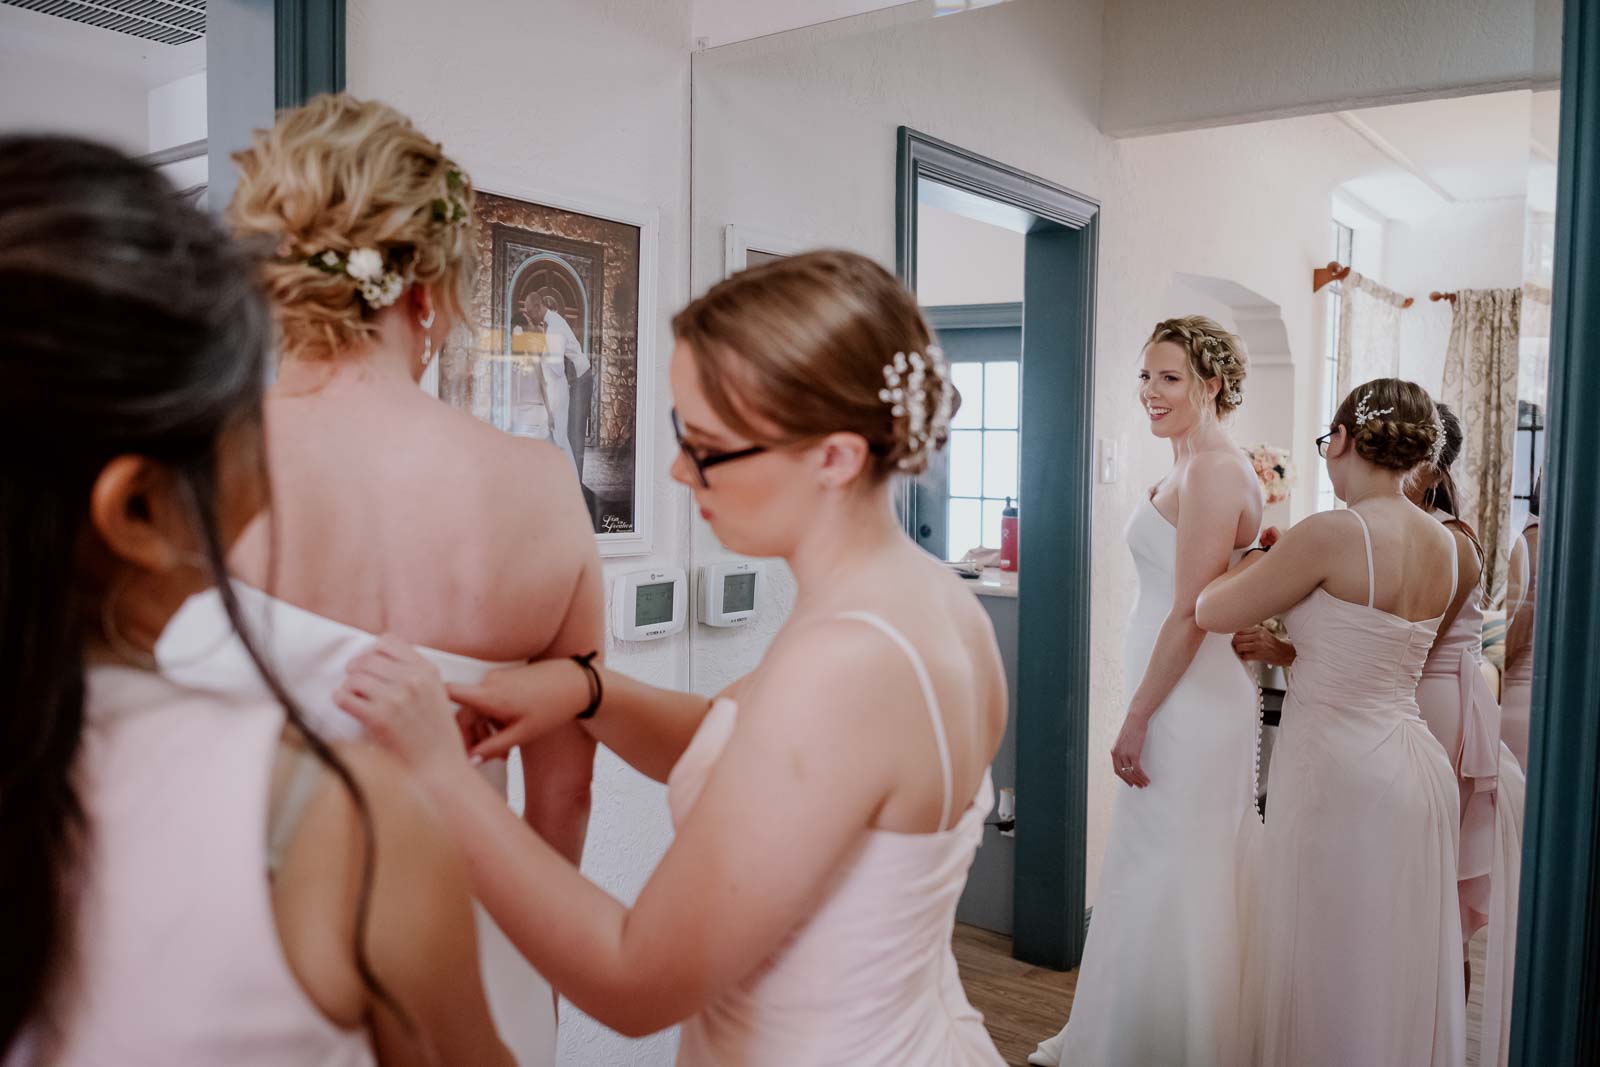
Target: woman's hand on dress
523, 703
1126, 753
399, 697
1258, 645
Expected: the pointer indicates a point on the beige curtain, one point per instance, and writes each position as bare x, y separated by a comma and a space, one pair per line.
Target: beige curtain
1369, 333
1480, 384
1533, 370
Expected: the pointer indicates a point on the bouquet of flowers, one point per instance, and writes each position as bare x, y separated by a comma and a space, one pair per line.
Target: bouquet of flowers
1274, 469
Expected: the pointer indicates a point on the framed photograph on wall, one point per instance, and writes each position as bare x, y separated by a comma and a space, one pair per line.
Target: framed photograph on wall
561, 332
744, 247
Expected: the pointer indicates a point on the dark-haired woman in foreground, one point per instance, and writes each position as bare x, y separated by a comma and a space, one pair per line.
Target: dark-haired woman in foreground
191, 878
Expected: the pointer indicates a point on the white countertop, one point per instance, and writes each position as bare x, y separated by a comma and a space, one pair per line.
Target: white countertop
995, 582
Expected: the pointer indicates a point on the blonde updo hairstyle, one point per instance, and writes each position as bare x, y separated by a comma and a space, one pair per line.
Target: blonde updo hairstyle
1214, 354
794, 350
1400, 427
341, 174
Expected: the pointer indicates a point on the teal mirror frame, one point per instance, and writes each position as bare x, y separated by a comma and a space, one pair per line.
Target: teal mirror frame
1556, 1017
309, 50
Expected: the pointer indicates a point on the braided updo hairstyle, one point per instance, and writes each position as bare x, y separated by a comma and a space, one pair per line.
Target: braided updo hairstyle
1398, 423
337, 175
796, 349
1214, 355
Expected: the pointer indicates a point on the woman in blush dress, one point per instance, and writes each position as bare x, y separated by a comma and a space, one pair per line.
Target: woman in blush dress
1359, 927
827, 806
1522, 599
1457, 704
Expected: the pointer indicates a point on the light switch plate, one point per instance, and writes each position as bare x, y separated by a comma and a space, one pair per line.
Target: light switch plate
1107, 469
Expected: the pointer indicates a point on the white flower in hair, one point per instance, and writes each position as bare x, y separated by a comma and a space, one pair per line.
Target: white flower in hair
330, 258
1364, 413
365, 265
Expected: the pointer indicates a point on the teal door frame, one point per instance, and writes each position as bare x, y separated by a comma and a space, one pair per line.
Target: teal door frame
1052, 729
1556, 1016
309, 48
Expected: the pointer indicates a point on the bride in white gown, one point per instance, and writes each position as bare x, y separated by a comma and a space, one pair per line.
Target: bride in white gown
1161, 972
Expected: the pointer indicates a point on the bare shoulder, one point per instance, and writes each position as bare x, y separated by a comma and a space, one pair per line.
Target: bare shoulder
830, 661
842, 663
1322, 531
1467, 551
1218, 471
529, 483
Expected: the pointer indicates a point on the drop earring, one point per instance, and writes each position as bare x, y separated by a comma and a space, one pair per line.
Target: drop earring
427, 338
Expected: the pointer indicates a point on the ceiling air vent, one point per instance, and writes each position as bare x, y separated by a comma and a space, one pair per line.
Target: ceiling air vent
164, 21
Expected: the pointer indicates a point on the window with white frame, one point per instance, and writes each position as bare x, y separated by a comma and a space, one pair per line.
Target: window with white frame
983, 453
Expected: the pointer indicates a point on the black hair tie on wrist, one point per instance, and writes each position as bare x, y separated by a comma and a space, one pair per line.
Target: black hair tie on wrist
1256, 548
597, 689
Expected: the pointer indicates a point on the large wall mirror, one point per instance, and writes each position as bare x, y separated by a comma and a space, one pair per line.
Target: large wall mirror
1341, 232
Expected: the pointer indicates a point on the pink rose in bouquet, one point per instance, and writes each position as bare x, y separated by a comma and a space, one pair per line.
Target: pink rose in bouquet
1272, 466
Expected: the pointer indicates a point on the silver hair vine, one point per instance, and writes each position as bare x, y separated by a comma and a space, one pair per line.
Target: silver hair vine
905, 379
1218, 357
1364, 413
1436, 453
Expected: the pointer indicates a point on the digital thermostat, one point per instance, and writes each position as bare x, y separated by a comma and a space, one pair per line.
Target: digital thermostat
728, 593
646, 605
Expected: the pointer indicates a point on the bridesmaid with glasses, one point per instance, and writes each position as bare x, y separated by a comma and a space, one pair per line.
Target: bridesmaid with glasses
827, 806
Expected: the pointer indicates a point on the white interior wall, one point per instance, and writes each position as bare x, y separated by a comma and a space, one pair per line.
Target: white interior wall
1460, 246
1200, 62
46, 92
177, 112
592, 102
964, 261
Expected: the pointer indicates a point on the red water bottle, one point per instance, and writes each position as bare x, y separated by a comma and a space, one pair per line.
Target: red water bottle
1008, 537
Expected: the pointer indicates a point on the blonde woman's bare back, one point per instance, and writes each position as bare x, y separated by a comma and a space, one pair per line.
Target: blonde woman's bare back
396, 513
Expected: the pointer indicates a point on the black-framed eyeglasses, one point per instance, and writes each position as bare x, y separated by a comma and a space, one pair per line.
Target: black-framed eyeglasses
704, 461
1323, 442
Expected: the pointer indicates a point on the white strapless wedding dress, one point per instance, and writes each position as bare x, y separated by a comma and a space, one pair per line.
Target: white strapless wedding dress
1162, 969
309, 653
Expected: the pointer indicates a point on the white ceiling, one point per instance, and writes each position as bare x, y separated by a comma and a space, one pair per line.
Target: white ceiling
75, 43
1430, 155
719, 22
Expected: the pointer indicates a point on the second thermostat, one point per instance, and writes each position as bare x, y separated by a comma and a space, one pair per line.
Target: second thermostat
729, 592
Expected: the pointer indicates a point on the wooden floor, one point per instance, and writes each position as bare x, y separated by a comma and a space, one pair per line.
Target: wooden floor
1022, 1004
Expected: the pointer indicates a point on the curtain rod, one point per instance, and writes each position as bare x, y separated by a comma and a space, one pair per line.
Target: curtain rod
1337, 272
